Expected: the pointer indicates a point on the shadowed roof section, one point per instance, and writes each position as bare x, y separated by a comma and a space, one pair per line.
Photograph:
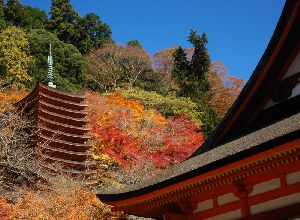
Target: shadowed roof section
238, 120
220, 156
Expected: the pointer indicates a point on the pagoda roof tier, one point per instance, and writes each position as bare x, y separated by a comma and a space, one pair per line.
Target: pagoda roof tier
62, 111
87, 163
53, 141
74, 138
76, 98
65, 119
63, 127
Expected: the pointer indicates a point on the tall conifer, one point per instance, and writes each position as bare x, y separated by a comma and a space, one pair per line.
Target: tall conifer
12, 12
64, 20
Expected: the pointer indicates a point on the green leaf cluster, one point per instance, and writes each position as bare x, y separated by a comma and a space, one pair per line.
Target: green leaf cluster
86, 33
169, 105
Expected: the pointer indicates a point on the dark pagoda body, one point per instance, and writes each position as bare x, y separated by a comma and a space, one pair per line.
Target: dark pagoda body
62, 135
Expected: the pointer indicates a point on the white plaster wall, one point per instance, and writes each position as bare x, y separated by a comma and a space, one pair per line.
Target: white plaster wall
204, 205
275, 203
236, 214
226, 198
292, 178
265, 186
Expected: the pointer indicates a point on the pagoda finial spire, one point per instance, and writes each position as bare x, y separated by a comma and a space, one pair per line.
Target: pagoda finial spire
50, 69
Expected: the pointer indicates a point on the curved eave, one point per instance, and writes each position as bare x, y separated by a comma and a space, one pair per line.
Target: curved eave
61, 102
287, 32
63, 135
70, 162
63, 127
62, 111
50, 149
50, 140
60, 94
79, 122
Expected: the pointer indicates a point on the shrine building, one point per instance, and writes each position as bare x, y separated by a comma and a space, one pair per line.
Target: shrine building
249, 168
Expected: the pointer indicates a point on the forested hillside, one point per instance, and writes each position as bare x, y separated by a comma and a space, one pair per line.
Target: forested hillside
156, 108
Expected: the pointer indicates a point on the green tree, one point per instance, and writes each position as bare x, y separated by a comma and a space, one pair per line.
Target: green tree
93, 33
135, 43
64, 21
68, 61
192, 78
200, 62
14, 56
2, 15
12, 12
32, 18
181, 72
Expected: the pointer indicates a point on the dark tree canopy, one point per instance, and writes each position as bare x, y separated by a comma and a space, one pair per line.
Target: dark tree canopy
2, 15
135, 43
64, 20
86, 33
68, 62
32, 18
192, 77
12, 12
92, 33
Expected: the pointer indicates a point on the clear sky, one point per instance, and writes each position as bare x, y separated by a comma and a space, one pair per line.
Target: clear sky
238, 30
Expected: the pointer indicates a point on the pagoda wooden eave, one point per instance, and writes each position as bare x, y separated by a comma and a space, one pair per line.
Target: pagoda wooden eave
62, 137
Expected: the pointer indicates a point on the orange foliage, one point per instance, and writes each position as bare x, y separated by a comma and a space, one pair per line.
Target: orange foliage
9, 97
131, 134
68, 205
224, 88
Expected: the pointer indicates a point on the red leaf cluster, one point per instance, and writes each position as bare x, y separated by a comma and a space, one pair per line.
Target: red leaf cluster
132, 134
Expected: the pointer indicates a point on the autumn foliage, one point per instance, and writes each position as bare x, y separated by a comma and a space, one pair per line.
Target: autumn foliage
9, 97
224, 88
68, 205
131, 134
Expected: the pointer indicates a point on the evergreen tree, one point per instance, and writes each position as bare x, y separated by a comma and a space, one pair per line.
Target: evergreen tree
12, 12
2, 17
200, 62
64, 21
135, 43
93, 33
32, 18
192, 78
181, 72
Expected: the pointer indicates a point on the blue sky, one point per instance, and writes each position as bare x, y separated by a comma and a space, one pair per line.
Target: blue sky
238, 30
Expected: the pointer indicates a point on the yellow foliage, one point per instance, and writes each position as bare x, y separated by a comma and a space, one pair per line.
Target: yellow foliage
14, 55
9, 97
